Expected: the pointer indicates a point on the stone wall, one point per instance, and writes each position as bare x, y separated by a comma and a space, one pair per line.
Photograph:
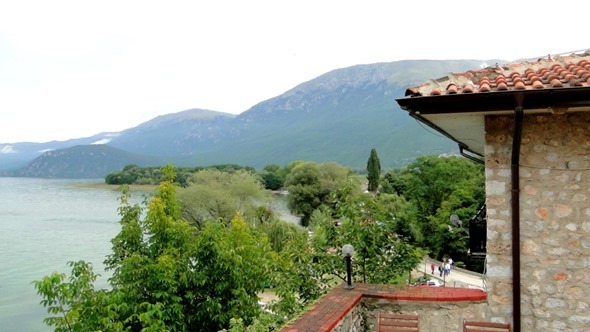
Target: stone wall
354, 321
554, 221
433, 316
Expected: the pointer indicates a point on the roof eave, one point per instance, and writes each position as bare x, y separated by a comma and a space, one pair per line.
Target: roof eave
460, 117
498, 101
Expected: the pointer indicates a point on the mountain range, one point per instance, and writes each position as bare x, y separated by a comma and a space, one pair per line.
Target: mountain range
339, 116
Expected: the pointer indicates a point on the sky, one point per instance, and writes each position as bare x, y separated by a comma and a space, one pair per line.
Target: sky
72, 69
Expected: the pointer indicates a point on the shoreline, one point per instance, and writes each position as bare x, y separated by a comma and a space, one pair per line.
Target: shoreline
115, 187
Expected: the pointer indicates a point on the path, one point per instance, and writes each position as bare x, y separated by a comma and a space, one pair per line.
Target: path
457, 277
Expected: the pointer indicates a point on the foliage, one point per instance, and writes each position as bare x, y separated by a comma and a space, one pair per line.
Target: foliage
373, 171
310, 185
230, 263
438, 187
133, 174
217, 195
299, 279
264, 322
402, 213
69, 300
272, 177
166, 276
272, 181
281, 233
305, 192
381, 255
392, 183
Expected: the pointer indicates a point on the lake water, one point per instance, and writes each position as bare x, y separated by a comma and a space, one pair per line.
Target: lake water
44, 223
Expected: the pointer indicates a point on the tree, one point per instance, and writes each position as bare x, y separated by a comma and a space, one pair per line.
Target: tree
381, 256
214, 194
166, 276
439, 187
374, 171
230, 264
281, 233
310, 185
271, 177
403, 215
305, 192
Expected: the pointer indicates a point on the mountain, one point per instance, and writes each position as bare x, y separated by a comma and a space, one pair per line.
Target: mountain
176, 135
82, 161
339, 116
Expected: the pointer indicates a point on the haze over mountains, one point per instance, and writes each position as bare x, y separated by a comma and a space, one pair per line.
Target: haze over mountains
339, 116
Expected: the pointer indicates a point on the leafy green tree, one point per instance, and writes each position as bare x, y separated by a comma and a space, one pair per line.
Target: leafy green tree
311, 184
68, 299
374, 171
403, 215
383, 255
272, 168
219, 195
280, 233
285, 171
334, 177
230, 264
439, 187
271, 177
166, 276
305, 191
392, 183
299, 280
123, 177
133, 174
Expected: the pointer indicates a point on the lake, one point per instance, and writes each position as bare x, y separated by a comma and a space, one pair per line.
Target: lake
44, 223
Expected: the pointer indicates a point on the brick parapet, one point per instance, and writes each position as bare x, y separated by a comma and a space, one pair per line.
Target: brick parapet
355, 310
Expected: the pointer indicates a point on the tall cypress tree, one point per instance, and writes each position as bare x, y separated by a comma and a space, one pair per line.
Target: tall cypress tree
374, 171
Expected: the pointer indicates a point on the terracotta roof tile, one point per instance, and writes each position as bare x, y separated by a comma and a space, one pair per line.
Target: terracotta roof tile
562, 71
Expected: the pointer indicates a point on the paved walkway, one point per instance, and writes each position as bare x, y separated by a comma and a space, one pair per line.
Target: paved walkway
457, 277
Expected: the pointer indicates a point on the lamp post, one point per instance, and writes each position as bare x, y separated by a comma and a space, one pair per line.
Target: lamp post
347, 252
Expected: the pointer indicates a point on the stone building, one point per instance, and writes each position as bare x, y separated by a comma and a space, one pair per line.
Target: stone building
529, 122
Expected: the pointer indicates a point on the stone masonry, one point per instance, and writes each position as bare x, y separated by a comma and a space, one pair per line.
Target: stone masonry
554, 223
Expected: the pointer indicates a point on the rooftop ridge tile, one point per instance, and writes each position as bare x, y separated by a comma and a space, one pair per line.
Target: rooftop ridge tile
560, 71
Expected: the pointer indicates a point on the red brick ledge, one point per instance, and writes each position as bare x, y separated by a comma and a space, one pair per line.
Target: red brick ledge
334, 306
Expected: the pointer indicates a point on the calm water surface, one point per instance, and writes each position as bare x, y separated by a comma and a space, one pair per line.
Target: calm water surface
44, 223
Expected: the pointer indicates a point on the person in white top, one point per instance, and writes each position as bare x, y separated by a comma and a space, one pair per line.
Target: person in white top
448, 266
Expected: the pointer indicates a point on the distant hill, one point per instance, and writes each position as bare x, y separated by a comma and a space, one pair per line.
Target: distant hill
81, 161
339, 116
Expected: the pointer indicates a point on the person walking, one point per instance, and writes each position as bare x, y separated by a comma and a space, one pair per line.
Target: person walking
441, 268
432, 266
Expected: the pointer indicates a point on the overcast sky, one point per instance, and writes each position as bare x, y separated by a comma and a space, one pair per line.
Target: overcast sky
71, 69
